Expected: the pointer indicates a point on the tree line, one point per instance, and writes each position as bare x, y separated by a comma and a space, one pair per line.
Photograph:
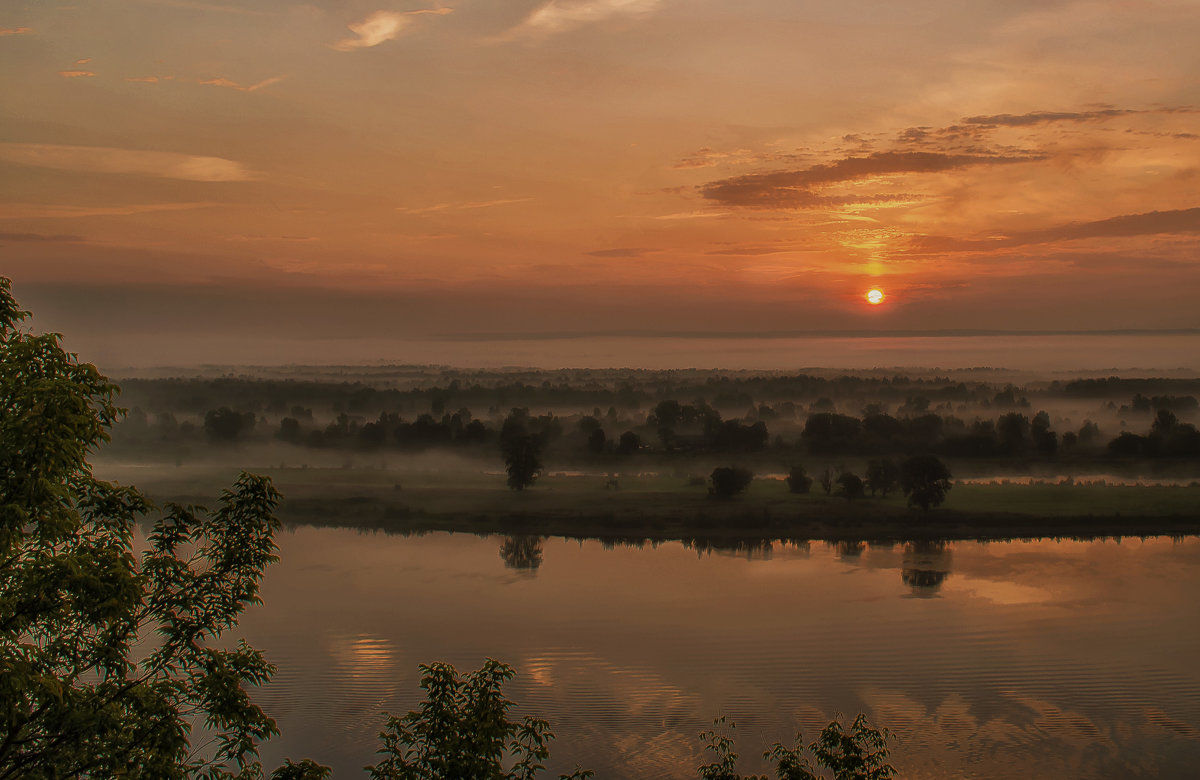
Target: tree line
677, 428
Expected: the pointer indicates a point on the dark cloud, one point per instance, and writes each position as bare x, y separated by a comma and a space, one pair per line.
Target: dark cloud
1150, 223
38, 237
794, 189
620, 252
753, 250
1042, 117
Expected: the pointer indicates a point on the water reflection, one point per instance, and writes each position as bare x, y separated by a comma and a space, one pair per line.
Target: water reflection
522, 552
850, 549
1037, 659
926, 567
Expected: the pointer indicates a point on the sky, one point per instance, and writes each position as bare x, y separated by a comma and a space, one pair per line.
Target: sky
183, 179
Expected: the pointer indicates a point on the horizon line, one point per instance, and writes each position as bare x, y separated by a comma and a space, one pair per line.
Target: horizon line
784, 334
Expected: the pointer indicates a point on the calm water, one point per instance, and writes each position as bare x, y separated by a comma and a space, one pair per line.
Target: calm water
1023, 659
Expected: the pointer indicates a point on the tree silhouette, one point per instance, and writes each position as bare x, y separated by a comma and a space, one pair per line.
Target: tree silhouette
883, 476
850, 486
925, 481
523, 460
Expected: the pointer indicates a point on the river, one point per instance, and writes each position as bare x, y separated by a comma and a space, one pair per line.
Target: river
1030, 659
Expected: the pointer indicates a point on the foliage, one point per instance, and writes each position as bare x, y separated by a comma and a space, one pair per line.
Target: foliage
728, 481
925, 480
462, 730
105, 663
798, 480
305, 770
724, 760
858, 754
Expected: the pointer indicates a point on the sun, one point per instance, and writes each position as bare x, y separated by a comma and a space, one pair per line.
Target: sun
875, 296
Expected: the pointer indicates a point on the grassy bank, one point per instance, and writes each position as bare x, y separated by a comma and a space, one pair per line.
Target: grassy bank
667, 507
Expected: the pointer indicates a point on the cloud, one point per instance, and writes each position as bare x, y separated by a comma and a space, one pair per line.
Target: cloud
38, 238
75, 74
1045, 117
690, 215
99, 159
382, 26
256, 237
1124, 226
621, 252
793, 189
558, 16
144, 79
193, 5
479, 204
48, 211
224, 82
83, 61
15, 31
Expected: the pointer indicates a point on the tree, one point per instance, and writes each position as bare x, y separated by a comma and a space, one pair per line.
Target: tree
596, 441
826, 432
925, 480
1012, 428
629, 443
522, 450
827, 480
798, 480
1044, 439
883, 476
75, 601
523, 460
227, 426
462, 730
728, 481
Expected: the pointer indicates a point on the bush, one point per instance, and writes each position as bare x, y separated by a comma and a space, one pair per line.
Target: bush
728, 481
858, 754
850, 486
798, 480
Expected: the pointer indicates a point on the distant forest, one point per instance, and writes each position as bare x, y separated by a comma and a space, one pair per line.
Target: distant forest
600, 417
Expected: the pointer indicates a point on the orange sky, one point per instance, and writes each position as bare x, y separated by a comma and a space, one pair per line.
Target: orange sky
584, 166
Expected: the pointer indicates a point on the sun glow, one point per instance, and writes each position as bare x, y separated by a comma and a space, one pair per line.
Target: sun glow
875, 296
